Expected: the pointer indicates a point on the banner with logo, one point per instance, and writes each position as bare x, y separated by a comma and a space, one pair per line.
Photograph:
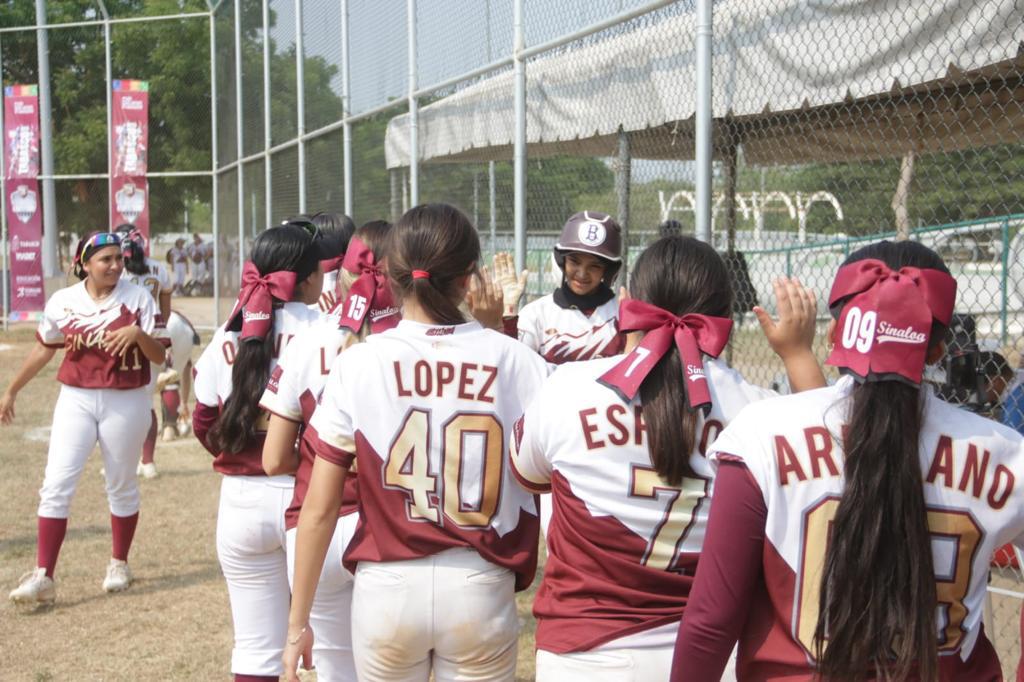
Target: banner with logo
129, 139
129, 116
22, 203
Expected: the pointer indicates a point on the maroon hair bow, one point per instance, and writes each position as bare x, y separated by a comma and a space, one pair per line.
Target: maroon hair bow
369, 295
693, 336
884, 328
255, 304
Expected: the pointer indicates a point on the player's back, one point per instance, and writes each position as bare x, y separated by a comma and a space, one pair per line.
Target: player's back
623, 543
155, 280
793, 448
426, 411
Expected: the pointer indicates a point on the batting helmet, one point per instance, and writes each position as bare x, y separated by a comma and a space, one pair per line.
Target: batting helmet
595, 233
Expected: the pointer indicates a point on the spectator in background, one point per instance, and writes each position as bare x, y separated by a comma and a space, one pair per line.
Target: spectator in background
1013, 399
177, 260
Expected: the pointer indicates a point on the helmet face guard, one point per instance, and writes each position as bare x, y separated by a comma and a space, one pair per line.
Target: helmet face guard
594, 233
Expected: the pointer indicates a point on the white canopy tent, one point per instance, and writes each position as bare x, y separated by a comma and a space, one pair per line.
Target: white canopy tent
796, 81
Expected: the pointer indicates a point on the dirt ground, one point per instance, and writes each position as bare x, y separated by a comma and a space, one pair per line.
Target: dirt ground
174, 623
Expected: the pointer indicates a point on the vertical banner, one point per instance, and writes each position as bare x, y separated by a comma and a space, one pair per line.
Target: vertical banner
129, 139
24, 215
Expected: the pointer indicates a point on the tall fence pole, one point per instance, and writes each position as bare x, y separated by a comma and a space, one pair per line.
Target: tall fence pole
346, 110
414, 111
214, 188
50, 268
492, 199
702, 141
108, 71
519, 148
300, 96
240, 170
3, 211
623, 177
268, 195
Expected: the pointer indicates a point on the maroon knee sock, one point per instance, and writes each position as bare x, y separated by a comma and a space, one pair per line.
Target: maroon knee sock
123, 528
172, 402
149, 445
51, 537
255, 678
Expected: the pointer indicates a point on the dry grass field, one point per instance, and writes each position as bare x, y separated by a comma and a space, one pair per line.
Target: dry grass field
174, 623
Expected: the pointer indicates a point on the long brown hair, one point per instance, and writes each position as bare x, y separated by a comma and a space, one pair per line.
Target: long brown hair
439, 240
880, 536
681, 275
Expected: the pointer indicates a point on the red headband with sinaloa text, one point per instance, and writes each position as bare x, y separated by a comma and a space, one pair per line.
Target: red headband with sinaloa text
883, 331
369, 295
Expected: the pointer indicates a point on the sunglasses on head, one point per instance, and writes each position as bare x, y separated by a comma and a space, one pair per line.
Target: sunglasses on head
306, 224
102, 239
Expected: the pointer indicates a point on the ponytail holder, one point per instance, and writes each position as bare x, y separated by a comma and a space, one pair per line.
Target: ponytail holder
369, 295
420, 274
253, 313
693, 336
884, 329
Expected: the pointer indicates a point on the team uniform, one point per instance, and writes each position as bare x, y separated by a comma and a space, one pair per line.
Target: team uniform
250, 519
561, 332
157, 281
622, 544
198, 254
103, 398
328, 295
795, 462
178, 259
293, 393
444, 534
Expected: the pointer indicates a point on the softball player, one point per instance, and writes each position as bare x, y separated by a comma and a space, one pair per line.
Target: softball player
336, 230
177, 257
278, 285
862, 516
177, 381
152, 276
444, 535
627, 476
578, 321
104, 323
292, 394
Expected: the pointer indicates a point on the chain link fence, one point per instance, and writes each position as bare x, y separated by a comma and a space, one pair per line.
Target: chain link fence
834, 125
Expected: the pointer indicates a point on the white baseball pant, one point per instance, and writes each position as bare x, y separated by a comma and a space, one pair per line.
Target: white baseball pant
610, 664
331, 615
118, 420
179, 275
251, 550
453, 612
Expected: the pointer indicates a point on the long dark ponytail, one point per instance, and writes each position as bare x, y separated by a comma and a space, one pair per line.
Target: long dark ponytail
877, 597
276, 249
681, 275
438, 244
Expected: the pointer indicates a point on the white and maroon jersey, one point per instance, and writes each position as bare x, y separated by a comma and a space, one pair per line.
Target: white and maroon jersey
156, 282
328, 299
793, 450
212, 383
197, 253
425, 412
293, 392
176, 255
569, 334
623, 544
73, 320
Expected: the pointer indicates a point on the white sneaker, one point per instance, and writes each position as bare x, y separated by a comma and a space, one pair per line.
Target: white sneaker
170, 433
146, 470
119, 576
34, 588
184, 427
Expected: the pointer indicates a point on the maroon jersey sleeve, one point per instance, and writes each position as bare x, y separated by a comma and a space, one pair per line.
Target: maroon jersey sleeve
727, 578
203, 419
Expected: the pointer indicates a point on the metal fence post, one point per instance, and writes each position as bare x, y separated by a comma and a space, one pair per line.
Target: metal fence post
300, 97
268, 195
414, 112
1004, 281
623, 175
108, 71
3, 211
519, 147
492, 198
346, 111
214, 161
238, 133
702, 140
49, 255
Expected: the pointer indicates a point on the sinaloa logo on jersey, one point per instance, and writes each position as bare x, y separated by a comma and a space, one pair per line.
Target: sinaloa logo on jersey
861, 330
592, 233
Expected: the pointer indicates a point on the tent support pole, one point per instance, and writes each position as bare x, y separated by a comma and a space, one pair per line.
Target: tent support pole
702, 140
623, 175
414, 111
493, 200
